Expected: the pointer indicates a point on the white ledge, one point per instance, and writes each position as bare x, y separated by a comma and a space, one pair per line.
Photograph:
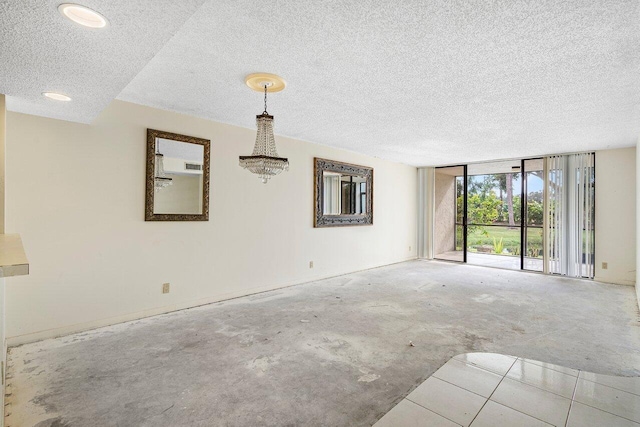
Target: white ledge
13, 261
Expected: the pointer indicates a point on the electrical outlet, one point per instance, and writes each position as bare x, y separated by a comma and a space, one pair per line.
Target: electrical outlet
605, 265
409, 248
310, 264
165, 288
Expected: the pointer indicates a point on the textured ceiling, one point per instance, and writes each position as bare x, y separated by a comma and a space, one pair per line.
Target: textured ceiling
420, 82
41, 51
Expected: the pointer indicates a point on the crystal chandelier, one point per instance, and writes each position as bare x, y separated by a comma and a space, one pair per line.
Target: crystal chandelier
264, 161
160, 178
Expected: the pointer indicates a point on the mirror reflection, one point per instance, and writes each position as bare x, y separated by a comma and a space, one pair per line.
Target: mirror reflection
344, 194
178, 178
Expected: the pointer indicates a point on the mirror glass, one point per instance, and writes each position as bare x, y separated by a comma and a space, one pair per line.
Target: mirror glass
177, 177
344, 194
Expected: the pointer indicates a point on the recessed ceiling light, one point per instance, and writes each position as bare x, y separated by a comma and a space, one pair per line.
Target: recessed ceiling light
82, 15
56, 96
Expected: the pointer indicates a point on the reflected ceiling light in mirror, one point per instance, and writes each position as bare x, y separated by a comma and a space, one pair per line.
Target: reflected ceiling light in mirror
56, 96
82, 15
264, 161
160, 177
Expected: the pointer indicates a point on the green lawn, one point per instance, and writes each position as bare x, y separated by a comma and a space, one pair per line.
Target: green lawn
507, 237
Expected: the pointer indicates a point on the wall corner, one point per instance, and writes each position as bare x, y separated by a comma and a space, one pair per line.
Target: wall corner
638, 220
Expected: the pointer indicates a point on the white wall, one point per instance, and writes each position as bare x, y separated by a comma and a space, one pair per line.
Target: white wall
3, 128
616, 215
3, 343
76, 195
637, 221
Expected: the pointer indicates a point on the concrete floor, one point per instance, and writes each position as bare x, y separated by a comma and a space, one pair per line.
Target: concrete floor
333, 352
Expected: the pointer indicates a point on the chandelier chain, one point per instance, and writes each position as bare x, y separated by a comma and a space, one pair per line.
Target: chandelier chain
265, 100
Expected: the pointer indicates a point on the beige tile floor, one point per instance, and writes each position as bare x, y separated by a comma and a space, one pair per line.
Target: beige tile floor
488, 389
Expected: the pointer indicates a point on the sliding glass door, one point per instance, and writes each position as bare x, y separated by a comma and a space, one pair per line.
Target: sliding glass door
533, 192
494, 217
496, 213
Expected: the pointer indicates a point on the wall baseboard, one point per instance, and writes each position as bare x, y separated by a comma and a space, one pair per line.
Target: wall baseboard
95, 324
623, 282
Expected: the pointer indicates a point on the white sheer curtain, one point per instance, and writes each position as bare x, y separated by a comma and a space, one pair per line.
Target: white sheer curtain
571, 202
332, 194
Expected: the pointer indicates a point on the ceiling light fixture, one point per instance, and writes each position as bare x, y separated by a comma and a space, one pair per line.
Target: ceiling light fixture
264, 161
57, 96
82, 15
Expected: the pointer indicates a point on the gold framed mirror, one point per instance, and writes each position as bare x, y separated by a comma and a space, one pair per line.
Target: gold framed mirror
343, 194
178, 168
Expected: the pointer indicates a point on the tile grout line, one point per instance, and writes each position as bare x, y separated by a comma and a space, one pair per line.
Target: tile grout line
430, 410
494, 390
520, 412
607, 385
470, 364
460, 387
573, 396
595, 407
516, 410
572, 399
501, 404
505, 375
539, 388
541, 365
607, 412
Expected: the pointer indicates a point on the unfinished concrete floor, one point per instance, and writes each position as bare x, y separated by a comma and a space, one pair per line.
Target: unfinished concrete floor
333, 352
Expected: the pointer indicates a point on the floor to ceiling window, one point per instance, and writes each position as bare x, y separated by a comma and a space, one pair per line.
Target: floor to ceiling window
498, 213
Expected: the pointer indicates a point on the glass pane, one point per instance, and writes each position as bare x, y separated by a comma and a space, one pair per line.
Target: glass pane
459, 237
179, 178
534, 255
493, 212
449, 200
534, 187
535, 191
459, 200
494, 246
494, 193
343, 194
